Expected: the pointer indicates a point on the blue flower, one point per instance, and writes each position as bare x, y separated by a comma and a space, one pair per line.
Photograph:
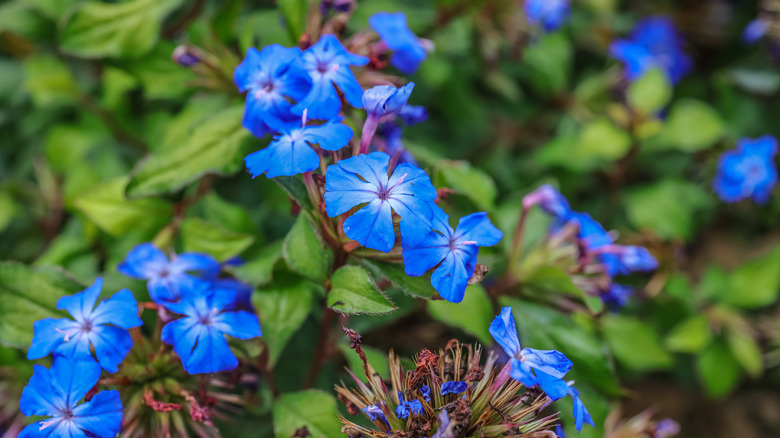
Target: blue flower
270, 86
616, 296
548, 14
455, 387
445, 430
581, 414
72, 338
454, 251
413, 114
408, 51
291, 153
550, 200
363, 179
386, 100
425, 391
748, 171
559, 431
666, 428
166, 278
199, 337
375, 413
56, 392
327, 65
405, 407
545, 368
242, 290
755, 30
633, 259
653, 43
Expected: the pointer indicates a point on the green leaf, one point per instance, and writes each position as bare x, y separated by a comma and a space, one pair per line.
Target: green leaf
658, 208
49, 81
296, 189
600, 140
353, 291
471, 182
305, 252
211, 238
651, 92
107, 207
547, 62
745, 350
316, 410
258, 271
217, 146
635, 343
690, 336
718, 369
282, 307
128, 29
473, 315
756, 283
294, 13
418, 287
550, 279
692, 125
28, 295
544, 328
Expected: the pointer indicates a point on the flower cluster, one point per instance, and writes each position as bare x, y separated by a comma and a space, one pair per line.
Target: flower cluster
747, 171
548, 15
654, 43
595, 246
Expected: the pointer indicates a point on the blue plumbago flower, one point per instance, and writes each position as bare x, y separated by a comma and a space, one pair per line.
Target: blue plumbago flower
166, 278
386, 100
632, 259
550, 200
270, 85
653, 43
616, 296
72, 338
413, 114
425, 390
408, 51
56, 392
405, 407
327, 65
454, 251
375, 413
547, 14
755, 30
748, 171
581, 414
199, 337
242, 290
291, 152
363, 179
545, 368
455, 387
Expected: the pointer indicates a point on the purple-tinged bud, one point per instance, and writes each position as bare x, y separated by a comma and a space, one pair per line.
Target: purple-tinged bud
549, 199
184, 56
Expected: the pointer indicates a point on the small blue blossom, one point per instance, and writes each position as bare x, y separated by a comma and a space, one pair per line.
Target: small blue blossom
413, 114
386, 100
405, 407
755, 30
545, 368
633, 259
56, 392
327, 65
455, 387
408, 51
72, 338
425, 391
581, 414
454, 251
666, 428
550, 200
375, 413
547, 14
199, 337
748, 171
364, 179
616, 296
654, 43
270, 86
166, 278
291, 151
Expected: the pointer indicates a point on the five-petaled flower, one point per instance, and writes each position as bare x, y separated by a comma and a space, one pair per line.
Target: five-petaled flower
199, 337
363, 179
270, 87
454, 387
72, 338
545, 368
453, 251
166, 278
408, 50
327, 64
291, 153
405, 407
547, 14
56, 392
748, 171
654, 43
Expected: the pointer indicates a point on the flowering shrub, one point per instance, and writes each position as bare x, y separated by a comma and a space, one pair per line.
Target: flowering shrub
531, 199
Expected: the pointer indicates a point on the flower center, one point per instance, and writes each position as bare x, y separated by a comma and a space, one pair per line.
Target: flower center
322, 67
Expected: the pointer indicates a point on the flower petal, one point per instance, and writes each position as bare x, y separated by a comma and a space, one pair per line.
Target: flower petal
504, 331
80, 305
120, 310
143, 262
240, 324
372, 226
101, 416
111, 346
